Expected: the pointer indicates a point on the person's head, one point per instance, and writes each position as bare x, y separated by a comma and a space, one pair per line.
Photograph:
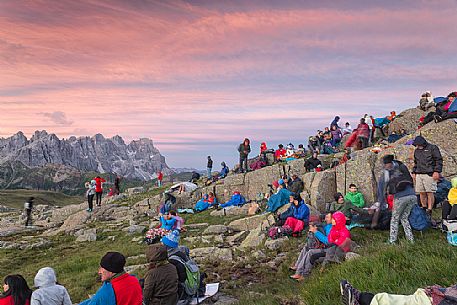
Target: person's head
45, 277
338, 220
326, 129
297, 199
294, 176
31, 199
172, 213
337, 118
315, 155
171, 240
362, 121
246, 141
281, 182
223, 164
211, 194
111, 264
275, 184
280, 146
347, 124
451, 96
209, 157
420, 142
352, 188
300, 145
263, 145
328, 218
156, 253
339, 198
388, 160
333, 127
16, 286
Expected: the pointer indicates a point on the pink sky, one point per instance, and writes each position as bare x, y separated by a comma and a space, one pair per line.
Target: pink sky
197, 77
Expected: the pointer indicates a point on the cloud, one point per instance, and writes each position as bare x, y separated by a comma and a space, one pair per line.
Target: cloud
58, 117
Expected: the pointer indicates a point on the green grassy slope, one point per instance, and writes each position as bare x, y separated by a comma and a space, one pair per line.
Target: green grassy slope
16, 198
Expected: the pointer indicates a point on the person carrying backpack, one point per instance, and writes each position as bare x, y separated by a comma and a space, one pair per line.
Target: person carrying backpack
399, 183
189, 277
28, 207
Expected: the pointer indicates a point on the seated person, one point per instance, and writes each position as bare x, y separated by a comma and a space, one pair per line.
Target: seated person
224, 171
312, 163
168, 202
290, 152
195, 177
340, 239
236, 200
352, 212
279, 199
445, 109
449, 211
336, 135
347, 129
423, 296
300, 151
296, 185
187, 187
313, 144
426, 101
202, 204
280, 153
167, 222
161, 280
301, 266
179, 221
354, 196
297, 214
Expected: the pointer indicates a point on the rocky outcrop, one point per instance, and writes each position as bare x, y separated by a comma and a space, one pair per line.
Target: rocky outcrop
137, 160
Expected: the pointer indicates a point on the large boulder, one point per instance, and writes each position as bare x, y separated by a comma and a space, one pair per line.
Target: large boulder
212, 254
323, 188
407, 120
254, 239
257, 181
250, 223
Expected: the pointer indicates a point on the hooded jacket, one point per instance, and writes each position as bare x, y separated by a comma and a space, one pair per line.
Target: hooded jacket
300, 212
161, 280
339, 233
427, 160
104, 296
48, 292
98, 184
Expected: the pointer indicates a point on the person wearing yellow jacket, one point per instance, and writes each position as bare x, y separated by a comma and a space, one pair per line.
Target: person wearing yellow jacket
449, 209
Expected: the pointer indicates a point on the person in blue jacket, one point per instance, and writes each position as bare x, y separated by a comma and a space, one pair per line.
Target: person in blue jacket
167, 222
224, 171
303, 265
202, 204
298, 214
236, 200
280, 198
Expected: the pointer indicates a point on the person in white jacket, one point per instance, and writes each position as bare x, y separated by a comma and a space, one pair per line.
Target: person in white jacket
49, 292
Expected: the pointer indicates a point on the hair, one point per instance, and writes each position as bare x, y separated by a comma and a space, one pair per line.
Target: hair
210, 194
300, 145
297, 197
18, 289
362, 120
338, 196
352, 185
347, 123
246, 140
280, 146
172, 213
31, 198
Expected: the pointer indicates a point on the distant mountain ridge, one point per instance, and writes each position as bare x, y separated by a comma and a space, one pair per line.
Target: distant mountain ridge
137, 160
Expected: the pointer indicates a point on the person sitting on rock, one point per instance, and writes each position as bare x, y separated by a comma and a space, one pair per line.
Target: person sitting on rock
290, 152
280, 153
296, 186
224, 171
119, 287
327, 147
49, 292
353, 213
179, 223
312, 163
445, 109
449, 209
161, 280
363, 133
16, 291
236, 200
167, 222
354, 196
280, 198
336, 135
297, 215
347, 129
202, 204
300, 151
317, 241
426, 101
313, 144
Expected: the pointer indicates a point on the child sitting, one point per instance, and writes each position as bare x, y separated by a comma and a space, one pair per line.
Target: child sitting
354, 196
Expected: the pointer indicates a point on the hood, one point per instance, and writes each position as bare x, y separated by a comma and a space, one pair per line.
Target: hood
156, 253
340, 220
45, 277
454, 182
420, 140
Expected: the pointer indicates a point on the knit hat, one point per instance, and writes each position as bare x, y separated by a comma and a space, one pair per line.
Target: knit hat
420, 140
280, 181
113, 262
337, 196
388, 159
275, 184
171, 239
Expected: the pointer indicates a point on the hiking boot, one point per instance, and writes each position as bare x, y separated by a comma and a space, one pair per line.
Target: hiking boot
350, 295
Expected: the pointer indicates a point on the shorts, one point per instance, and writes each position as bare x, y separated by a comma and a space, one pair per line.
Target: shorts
425, 184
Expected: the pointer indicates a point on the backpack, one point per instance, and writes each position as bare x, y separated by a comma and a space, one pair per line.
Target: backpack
450, 227
192, 283
277, 232
418, 219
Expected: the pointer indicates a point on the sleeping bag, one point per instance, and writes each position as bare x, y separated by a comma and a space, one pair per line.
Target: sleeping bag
236, 200
278, 200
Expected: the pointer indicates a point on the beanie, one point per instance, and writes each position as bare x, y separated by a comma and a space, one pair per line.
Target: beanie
113, 262
280, 181
171, 239
337, 196
388, 159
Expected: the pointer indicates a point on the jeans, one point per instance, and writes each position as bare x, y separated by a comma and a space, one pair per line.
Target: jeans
90, 200
304, 264
28, 220
98, 198
402, 209
208, 169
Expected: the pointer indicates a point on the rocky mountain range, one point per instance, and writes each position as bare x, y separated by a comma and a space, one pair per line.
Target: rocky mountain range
137, 160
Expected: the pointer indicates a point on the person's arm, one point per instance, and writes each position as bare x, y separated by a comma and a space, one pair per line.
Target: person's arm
149, 288
436, 154
415, 165
321, 237
360, 202
66, 298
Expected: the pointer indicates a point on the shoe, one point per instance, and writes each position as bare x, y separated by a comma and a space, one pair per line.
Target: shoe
299, 278
343, 284
346, 295
295, 276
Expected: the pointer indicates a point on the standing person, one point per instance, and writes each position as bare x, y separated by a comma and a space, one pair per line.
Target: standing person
335, 123
161, 280
119, 287
244, 149
90, 194
159, 178
15, 291
49, 292
363, 133
398, 182
98, 190
117, 185
28, 207
209, 167
428, 164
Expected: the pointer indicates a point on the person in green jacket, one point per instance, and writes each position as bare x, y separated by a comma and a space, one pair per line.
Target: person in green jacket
355, 197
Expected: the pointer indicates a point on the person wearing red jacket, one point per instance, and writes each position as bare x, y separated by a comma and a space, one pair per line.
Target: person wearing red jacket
159, 178
339, 234
363, 133
16, 291
280, 153
98, 190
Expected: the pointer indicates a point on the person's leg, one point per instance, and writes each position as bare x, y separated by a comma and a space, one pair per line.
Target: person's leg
90, 201
208, 169
241, 164
399, 205
430, 201
423, 199
410, 201
307, 265
246, 163
453, 214
446, 209
300, 260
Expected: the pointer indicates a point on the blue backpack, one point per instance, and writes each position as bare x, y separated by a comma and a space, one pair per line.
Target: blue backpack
418, 219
